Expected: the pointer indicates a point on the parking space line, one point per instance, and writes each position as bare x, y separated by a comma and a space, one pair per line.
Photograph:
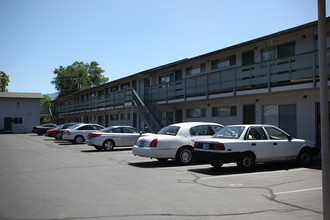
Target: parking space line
251, 174
300, 190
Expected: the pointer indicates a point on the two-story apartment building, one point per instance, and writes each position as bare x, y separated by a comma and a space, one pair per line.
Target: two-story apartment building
273, 80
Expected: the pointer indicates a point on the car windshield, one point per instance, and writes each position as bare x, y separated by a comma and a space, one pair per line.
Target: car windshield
169, 130
230, 132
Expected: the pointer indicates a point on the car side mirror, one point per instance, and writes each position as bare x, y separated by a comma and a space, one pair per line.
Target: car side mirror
290, 138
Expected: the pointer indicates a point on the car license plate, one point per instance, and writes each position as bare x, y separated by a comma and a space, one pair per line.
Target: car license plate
141, 143
206, 146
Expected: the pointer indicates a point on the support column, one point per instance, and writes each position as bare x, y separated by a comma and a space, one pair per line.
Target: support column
324, 109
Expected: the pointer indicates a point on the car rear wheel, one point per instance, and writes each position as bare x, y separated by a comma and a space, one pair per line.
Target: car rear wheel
185, 155
246, 162
79, 140
98, 148
108, 145
305, 157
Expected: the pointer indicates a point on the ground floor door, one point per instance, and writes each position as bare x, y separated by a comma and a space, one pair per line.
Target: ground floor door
178, 116
249, 114
135, 120
100, 120
7, 126
106, 120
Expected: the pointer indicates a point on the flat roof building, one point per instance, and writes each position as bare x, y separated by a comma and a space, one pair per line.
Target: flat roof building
19, 112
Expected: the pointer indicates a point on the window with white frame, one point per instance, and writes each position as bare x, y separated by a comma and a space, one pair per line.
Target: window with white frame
114, 88
316, 41
268, 54
17, 120
248, 57
196, 69
224, 111
166, 78
286, 50
223, 62
114, 117
196, 113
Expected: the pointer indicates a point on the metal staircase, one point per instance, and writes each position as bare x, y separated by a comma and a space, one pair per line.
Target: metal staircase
148, 115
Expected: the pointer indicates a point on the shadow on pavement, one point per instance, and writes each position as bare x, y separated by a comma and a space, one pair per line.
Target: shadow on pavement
259, 168
159, 164
103, 151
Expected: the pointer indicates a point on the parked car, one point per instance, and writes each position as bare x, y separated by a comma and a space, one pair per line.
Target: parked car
250, 144
114, 136
61, 131
78, 133
54, 132
175, 141
41, 129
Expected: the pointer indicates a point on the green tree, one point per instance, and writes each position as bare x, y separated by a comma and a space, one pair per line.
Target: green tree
46, 101
77, 77
45, 104
4, 80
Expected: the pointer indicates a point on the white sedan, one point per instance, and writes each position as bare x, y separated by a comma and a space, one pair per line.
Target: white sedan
114, 136
250, 144
78, 133
175, 141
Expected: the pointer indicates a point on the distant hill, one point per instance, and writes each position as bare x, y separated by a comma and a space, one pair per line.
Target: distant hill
53, 96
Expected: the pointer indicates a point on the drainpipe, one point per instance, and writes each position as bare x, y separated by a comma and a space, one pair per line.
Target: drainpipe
324, 109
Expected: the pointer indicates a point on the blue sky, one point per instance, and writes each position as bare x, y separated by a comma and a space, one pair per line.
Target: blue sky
129, 36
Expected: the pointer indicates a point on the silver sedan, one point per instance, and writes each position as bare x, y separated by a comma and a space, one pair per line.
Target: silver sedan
114, 136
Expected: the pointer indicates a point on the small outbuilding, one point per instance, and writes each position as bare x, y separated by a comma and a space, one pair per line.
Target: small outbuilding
19, 112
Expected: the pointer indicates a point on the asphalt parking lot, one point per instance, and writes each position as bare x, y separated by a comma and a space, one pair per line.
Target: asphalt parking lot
41, 178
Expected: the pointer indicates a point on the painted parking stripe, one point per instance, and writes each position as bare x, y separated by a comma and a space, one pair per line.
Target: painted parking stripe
296, 191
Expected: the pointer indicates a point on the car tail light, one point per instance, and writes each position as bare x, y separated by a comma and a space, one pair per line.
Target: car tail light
153, 143
136, 141
68, 132
219, 147
198, 145
94, 135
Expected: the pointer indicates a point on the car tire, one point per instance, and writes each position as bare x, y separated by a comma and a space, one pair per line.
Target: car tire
79, 139
108, 145
185, 155
98, 148
246, 162
217, 165
305, 157
39, 133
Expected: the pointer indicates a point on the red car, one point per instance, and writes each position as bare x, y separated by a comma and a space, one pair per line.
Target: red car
53, 132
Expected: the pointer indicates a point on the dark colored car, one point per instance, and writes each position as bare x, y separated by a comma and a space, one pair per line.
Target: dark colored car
54, 132
41, 129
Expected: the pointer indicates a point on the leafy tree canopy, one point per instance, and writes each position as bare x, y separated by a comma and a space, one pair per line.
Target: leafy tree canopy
4, 80
77, 77
46, 101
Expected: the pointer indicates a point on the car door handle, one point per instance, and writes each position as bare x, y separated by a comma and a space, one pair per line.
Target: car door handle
253, 144
274, 143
